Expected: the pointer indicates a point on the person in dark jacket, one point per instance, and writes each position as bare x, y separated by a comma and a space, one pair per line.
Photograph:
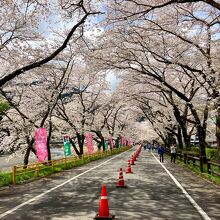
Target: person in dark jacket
161, 152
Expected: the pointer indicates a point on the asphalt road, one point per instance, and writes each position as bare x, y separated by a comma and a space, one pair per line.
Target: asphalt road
152, 193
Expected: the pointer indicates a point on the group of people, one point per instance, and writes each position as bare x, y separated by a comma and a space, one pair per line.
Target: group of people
173, 151
150, 147
161, 150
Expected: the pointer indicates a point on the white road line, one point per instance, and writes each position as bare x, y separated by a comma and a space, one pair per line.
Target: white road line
192, 201
52, 189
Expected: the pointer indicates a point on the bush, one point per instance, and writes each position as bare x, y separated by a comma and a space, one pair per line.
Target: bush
212, 154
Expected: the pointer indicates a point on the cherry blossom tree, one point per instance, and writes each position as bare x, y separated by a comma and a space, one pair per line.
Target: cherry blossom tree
145, 39
41, 92
22, 45
78, 108
33, 41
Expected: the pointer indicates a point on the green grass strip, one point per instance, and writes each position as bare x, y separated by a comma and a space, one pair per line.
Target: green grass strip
196, 169
31, 174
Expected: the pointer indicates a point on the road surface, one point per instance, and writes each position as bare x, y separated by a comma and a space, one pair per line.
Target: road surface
154, 192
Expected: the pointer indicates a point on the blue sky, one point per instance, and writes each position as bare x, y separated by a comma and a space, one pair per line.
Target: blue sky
113, 80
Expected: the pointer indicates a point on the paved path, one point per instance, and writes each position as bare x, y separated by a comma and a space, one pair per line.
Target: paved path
151, 193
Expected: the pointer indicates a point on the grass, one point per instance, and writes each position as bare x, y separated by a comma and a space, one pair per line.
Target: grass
196, 169
27, 175
212, 154
5, 179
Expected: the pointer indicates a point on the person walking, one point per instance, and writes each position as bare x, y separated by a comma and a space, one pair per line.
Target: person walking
149, 147
173, 153
161, 152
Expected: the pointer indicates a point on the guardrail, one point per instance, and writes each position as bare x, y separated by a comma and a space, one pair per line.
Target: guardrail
208, 166
36, 170
213, 168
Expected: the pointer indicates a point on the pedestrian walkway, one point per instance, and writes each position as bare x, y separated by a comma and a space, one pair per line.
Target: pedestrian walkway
150, 194
205, 193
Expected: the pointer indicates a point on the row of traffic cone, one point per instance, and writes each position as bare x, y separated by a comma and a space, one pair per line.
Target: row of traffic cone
103, 208
133, 159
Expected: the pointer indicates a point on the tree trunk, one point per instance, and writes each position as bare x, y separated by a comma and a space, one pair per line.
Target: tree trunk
99, 133
48, 140
201, 130
99, 146
101, 143
26, 156
179, 138
186, 137
74, 146
28, 150
218, 130
80, 139
182, 120
117, 142
202, 142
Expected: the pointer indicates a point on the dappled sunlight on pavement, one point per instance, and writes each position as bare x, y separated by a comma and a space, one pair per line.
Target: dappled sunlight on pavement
150, 192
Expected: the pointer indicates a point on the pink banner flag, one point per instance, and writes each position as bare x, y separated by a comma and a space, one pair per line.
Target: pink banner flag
130, 142
123, 141
89, 143
41, 144
111, 142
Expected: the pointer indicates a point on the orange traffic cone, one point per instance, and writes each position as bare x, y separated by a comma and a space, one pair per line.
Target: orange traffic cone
132, 161
129, 168
103, 208
135, 156
121, 182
